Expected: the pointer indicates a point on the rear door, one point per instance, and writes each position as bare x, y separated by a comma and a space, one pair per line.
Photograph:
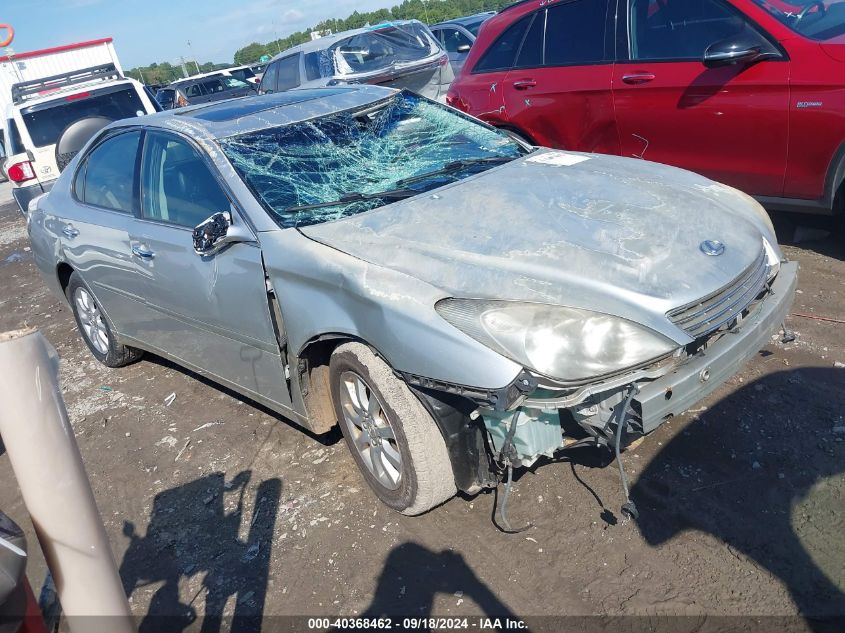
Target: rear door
94, 232
211, 312
195, 93
729, 122
559, 90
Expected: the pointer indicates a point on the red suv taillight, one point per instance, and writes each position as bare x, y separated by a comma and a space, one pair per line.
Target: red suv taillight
21, 172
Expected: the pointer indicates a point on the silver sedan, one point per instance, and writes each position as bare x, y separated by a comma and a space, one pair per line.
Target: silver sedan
460, 303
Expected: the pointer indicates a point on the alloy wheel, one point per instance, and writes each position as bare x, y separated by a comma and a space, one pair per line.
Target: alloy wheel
93, 325
369, 427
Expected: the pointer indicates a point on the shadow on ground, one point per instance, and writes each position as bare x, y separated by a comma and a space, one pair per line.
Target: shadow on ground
763, 472
414, 575
194, 529
821, 234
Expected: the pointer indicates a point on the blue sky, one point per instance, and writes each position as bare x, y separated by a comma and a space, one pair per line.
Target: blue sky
159, 30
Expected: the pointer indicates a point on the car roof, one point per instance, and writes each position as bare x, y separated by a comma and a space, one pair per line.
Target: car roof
467, 19
67, 91
322, 43
231, 117
184, 80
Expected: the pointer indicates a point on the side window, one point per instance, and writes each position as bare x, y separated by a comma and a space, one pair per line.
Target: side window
176, 184
438, 35
575, 33
79, 180
288, 73
454, 39
110, 173
502, 53
268, 81
212, 86
15, 143
682, 29
313, 66
531, 53
193, 91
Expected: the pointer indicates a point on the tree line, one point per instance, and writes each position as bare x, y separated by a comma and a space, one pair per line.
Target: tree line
427, 11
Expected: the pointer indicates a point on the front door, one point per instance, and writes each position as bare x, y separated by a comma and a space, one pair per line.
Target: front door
212, 312
727, 122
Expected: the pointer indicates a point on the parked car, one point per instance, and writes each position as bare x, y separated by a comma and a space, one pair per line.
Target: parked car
456, 37
244, 73
400, 54
747, 92
455, 299
203, 88
50, 119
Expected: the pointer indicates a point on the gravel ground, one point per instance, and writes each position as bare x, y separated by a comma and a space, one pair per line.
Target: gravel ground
216, 506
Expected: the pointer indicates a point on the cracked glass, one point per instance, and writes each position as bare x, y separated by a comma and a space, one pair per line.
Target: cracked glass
356, 160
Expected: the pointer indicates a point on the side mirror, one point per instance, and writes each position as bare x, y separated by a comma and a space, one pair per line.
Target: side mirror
214, 233
731, 51
464, 48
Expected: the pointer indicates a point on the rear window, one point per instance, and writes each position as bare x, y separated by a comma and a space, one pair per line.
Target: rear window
383, 47
242, 73
46, 122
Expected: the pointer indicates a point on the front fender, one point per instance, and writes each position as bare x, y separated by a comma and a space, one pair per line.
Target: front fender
322, 290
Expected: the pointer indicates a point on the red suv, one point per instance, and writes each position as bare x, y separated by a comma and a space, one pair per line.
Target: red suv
747, 92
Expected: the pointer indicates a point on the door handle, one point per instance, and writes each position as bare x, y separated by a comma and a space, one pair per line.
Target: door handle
524, 84
69, 231
143, 253
637, 78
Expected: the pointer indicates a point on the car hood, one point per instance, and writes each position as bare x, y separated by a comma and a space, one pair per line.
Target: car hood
615, 235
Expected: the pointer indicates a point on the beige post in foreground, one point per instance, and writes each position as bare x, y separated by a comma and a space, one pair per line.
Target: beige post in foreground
49, 471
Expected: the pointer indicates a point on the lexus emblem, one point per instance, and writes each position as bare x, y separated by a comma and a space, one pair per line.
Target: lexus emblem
714, 248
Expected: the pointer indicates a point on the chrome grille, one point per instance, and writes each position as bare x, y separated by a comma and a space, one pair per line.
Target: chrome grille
713, 311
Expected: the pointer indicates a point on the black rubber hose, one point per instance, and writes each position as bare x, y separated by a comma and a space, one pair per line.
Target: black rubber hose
628, 507
505, 455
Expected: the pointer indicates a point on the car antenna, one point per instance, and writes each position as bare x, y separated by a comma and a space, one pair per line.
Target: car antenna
507, 455
629, 508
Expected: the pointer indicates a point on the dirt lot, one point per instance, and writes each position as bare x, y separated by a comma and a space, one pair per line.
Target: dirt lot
215, 506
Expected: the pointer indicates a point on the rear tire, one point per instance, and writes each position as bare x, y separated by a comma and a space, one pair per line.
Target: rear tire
95, 328
393, 439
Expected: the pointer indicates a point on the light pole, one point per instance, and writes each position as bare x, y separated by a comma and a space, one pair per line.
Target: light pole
192, 55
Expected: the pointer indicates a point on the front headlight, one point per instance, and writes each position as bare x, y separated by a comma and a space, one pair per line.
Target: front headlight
568, 344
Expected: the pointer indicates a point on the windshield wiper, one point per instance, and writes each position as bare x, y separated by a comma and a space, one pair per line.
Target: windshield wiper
456, 165
356, 196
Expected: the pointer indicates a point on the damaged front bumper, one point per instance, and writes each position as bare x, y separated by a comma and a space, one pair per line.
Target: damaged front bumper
541, 423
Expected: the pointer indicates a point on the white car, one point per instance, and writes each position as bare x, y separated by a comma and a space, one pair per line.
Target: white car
400, 54
50, 119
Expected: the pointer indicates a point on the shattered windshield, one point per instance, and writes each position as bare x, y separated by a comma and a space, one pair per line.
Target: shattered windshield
382, 48
353, 161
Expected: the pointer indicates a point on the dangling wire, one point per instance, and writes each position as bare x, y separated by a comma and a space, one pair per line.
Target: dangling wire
506, 456
628, 508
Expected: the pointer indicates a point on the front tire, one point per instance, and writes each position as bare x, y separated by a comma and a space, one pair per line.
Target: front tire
95, 329
394, 441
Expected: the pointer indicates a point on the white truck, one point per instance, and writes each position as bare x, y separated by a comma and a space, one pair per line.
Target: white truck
53, 101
